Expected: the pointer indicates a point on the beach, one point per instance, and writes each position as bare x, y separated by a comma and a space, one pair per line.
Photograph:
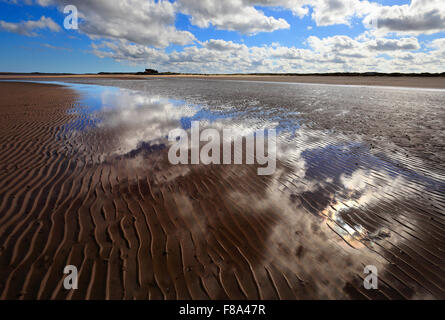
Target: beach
95, 189
389, 81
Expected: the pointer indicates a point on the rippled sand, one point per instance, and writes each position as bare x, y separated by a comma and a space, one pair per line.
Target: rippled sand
85, 181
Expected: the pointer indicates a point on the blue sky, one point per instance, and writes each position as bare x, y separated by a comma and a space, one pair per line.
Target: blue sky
234, 36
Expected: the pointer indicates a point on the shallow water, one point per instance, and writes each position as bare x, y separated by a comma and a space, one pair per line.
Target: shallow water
340, 151
411, 119
171, 104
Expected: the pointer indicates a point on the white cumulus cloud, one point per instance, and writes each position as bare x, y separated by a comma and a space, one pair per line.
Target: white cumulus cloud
418, 17
28, 28
235, 15
329, 54
147, 22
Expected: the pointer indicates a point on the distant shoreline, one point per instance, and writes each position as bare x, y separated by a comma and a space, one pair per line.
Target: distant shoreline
436, 81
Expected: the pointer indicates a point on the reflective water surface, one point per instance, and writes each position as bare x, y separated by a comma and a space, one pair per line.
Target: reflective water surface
359, 172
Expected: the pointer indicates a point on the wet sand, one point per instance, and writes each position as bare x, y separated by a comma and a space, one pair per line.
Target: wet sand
139, 228
410, 82
390, 81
